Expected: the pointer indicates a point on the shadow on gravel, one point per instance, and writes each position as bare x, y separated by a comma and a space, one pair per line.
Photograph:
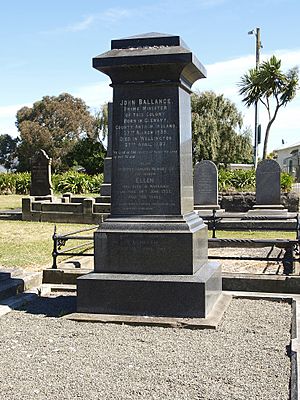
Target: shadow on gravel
51, 306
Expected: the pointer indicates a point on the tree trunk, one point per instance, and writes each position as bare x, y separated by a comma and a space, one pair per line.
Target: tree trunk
268, 132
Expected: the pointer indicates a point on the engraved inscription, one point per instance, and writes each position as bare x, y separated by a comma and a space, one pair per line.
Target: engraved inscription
145, 153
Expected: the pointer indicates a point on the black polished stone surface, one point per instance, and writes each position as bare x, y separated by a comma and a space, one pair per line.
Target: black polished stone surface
151, 245
152, 295
132, 62
150, 39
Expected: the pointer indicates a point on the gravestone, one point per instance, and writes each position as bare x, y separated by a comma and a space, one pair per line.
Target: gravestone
206, 186
151, 252
105, 189
40, 174
268, 194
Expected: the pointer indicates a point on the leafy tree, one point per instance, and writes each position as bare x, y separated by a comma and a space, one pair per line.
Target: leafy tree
101, 118
267, 83
8, 147
217, 130
88, 153
55, 124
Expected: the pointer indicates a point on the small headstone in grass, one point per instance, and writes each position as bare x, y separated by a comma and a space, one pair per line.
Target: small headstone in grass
268, 184
206, 185
40, 174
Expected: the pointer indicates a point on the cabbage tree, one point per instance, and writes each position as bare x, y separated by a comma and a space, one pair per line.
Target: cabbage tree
268, 85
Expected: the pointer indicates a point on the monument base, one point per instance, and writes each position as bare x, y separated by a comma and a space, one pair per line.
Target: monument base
151, 295
207, 207
266, 209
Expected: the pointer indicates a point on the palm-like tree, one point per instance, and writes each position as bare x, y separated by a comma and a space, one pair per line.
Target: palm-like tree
268, 85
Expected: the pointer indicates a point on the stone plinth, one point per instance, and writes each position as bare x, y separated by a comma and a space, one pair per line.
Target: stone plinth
151, 253
142, 294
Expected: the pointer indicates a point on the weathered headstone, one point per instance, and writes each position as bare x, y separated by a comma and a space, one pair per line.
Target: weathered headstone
151, 253
206, 186
268, 185
41, 174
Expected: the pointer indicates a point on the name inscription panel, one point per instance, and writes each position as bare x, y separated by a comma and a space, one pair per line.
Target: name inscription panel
145, 153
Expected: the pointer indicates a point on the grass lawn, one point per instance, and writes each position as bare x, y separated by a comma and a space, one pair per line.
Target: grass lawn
254, 234
28, 245
10, 201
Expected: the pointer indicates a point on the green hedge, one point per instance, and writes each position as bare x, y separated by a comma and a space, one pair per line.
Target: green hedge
244, 180
15, 183
74, 182
80, 183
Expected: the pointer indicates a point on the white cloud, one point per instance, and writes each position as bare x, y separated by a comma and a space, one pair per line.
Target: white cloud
111, 15
82, 25
95, 95
115, 14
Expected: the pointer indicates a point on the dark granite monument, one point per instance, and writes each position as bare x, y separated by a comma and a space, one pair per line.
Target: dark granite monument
206, 186
41, 174
268, 194
151, 253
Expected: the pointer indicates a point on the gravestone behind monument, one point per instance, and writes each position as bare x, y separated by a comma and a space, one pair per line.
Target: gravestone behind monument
206, 186
151, 253
40, 174
268, 194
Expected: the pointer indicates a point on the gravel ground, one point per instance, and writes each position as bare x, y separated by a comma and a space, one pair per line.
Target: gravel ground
45, 357
245, 266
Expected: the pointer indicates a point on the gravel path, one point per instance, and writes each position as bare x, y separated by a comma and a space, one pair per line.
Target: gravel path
246, 266
44, 357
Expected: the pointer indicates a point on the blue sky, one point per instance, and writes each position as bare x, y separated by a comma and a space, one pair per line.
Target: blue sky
46, 47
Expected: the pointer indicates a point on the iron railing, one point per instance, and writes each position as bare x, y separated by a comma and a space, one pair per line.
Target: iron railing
60, 240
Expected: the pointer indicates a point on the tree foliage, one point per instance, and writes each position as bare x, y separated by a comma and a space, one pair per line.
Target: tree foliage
8, 148
217, 130
88, 153
267, 83
55, 124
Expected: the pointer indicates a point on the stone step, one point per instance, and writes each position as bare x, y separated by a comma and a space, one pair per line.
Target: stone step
10, 215
101, 208
102, 199
17, 301
63, 276
12, 285
9, 273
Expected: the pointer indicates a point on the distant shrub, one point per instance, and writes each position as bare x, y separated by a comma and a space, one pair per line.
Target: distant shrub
244, 180
238, 180
286, 181
77, 182
71, 181
95, 183
15, 183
